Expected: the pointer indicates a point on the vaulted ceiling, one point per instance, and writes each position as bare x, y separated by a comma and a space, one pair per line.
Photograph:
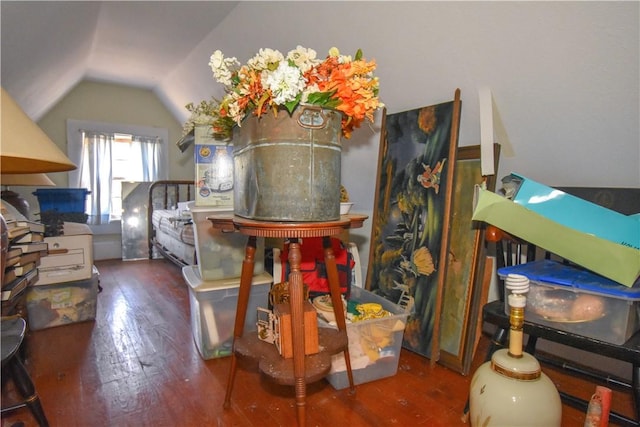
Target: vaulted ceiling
48, 47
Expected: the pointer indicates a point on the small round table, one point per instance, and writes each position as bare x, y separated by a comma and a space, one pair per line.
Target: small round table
301, 369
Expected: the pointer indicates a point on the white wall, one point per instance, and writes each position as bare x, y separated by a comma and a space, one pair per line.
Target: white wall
564, 76
116, 104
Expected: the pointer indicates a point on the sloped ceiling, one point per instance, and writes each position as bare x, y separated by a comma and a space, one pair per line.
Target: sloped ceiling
49, 47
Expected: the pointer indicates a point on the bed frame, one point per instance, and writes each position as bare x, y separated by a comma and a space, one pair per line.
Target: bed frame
166, 194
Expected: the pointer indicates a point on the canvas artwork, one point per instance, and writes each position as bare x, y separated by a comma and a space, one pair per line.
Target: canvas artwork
411, 215
463, 286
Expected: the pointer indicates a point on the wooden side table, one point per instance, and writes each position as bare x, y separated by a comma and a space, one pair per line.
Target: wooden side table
301, 369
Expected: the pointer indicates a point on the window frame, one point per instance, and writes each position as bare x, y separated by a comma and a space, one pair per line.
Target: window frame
74, 142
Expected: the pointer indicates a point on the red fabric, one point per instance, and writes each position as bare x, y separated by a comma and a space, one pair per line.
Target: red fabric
313, 268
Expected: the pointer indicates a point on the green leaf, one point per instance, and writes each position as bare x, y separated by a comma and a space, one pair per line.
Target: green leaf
332, 103
358, 55
291, 105
320, 98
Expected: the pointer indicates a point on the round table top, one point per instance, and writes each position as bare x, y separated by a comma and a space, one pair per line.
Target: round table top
251, 227
12, 330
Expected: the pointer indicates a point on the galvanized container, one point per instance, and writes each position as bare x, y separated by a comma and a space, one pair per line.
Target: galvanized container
287, 167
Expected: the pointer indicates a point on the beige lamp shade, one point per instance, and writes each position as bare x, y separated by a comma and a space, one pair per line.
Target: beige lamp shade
26, 179
24, 147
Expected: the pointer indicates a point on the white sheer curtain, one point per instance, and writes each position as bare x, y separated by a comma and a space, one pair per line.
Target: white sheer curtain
106, 160
146, 152
96, 175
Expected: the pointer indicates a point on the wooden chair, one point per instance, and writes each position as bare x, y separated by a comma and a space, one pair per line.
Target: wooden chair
12, 332
511, 251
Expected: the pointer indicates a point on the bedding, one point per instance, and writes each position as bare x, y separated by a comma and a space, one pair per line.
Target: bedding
174, 233
171, 231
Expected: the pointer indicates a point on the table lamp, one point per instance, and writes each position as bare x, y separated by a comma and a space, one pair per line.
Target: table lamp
25, 148
23, 180
511, 389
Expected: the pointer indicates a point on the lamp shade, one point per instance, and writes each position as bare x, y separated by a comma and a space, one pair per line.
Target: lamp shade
26, 179
24, 147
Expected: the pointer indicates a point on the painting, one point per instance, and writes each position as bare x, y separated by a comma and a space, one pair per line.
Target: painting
410, 222
463, 285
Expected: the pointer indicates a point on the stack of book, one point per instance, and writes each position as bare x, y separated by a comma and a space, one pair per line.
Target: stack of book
26, 247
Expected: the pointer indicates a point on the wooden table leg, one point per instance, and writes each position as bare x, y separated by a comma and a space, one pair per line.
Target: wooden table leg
336, 300
297, 322
246, 278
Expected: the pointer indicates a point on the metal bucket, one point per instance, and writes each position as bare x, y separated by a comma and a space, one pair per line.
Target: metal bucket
287, 168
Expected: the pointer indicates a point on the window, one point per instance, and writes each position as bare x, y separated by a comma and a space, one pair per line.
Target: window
106, 158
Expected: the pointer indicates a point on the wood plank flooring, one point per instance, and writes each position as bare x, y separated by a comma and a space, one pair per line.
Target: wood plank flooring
137, 365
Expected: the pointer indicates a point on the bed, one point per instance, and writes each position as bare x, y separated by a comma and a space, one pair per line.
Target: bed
170, 229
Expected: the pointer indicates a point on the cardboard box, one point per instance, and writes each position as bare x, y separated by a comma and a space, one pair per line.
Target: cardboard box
213, 310
374, 345
70, 256
214, 170
578, 301
285, 333
64, 303
563, 208
617, 262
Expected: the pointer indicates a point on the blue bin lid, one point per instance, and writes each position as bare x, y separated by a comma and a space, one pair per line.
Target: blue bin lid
556, 273
60, 191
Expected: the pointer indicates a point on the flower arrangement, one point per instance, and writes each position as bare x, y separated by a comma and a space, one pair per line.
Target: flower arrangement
344, 194
270, 81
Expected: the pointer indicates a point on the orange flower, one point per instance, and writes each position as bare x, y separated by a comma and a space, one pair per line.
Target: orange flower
338, 82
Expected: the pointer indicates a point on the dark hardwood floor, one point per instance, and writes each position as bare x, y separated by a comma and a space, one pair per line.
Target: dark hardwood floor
137, 365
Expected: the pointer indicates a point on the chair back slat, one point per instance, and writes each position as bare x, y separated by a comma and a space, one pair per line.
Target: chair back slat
509, 251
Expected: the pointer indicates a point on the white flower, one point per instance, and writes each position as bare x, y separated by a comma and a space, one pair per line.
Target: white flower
342, 59
312, 88
304, 58
264, 59
285, 83
217, 60
235, 113
222, 67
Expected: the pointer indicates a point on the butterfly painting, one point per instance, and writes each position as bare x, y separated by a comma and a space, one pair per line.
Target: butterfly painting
411, 215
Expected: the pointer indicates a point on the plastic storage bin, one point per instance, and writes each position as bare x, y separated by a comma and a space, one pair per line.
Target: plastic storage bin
213, 310
578, 301
219, 254
62, 303
63, 200
374, 345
